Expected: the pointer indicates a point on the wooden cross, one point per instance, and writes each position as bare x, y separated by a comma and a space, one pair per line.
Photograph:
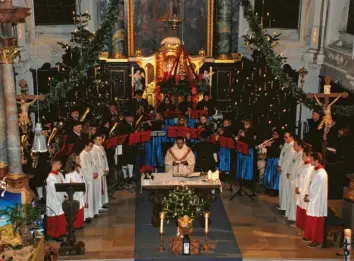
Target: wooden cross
327, 121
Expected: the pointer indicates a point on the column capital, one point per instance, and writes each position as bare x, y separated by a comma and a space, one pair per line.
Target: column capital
8, 54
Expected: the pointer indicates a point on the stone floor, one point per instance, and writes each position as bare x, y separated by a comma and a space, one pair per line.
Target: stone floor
261, 232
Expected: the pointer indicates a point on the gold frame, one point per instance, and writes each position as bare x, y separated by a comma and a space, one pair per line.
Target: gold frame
210, 28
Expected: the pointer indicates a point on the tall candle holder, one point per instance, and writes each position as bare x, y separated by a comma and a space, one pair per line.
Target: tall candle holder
206, 247
161, 247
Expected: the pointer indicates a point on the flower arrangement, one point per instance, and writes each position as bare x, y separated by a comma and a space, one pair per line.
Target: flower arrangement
183, 201
147, 171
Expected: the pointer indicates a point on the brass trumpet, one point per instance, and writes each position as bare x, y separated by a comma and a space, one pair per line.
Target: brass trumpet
83, 117
113, 129
262, 145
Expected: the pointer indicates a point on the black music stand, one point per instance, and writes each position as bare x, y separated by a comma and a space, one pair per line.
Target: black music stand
70, 208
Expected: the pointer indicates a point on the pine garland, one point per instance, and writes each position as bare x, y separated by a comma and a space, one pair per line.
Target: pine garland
60, 87
275, 61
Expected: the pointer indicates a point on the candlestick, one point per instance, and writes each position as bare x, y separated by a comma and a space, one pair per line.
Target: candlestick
161, 247
162, 217
206, 231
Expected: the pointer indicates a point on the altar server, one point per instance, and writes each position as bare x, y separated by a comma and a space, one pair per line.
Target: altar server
286, 157
317, 203
56, 222
293, 170
100, 160
302, 185
89, 171
180, 158
73, 174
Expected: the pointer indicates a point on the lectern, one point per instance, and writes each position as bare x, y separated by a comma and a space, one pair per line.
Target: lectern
70, 208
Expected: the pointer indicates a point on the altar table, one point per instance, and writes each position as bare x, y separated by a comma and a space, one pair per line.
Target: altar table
163, 183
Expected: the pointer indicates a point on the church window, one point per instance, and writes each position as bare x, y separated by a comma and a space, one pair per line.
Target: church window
54, 12
350, 25
279, 13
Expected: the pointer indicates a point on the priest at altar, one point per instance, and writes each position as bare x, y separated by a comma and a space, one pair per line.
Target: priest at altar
180, 158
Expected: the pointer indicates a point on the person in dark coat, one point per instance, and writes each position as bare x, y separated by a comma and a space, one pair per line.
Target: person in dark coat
315, 136
206, 158
138, 105
165, 106
73, 117
185, 105
76, 137
206, 104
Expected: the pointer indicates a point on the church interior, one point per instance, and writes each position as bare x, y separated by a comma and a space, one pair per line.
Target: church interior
145, 130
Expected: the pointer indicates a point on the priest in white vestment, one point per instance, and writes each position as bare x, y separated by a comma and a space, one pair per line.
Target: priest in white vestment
180, 158
56, 221
89, 171
293, 170
317, 203
100, 160
303, 179
286, 158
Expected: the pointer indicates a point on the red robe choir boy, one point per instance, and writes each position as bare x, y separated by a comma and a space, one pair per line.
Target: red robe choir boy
302, 185
56, 221
100, 161
73, 174
317, 203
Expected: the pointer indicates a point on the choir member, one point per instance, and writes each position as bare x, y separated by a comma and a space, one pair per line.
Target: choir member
293, 171
317, 203
90, 174
204, 124
76, 137
182, 122
73, 174
286, 158
206, 154
227, 129
180, 158
303, 179
166, 105
100, 160
129, 152
56, 222
156, 124
271, 173
138, 105
245, 163
206, 104
186, 105
315, 136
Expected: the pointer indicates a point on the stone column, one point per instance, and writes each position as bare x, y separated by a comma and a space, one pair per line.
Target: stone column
3, 146
224, 27
118, 35
12, 128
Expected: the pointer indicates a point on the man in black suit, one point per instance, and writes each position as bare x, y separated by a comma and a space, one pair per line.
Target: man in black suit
206, 154
76, 137
138, 105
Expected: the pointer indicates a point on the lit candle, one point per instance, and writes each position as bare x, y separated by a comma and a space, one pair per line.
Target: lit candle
162, 217
206, 216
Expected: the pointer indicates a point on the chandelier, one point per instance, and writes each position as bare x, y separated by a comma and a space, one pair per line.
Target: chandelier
173, 19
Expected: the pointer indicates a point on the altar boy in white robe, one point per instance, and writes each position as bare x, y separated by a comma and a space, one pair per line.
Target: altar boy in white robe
303, 179
100, 160
317, 203
180, 158
286, 157
56, 221
294, 167
89, 171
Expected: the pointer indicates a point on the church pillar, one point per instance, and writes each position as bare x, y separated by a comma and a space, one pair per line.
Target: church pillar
3, 148
224, 27
118, 35
12, 128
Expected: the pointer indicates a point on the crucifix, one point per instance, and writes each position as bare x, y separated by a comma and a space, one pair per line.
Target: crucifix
327, 121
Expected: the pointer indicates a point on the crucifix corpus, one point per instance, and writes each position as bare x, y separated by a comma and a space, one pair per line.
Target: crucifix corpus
327, 121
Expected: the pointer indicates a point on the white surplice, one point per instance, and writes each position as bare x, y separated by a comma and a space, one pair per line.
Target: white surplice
100, 160
293, 170
91, 200
286, 157
174, 154
76, 177
318, 194
302, 183
54, 200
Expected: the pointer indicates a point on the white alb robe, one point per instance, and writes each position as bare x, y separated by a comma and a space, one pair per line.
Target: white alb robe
302, 183
286, 157
174, 154
76, 177
87, 169
100, 160
293, 171
318, 194
54, 200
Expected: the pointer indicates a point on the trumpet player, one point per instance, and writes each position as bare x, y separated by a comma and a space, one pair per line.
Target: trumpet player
271, 173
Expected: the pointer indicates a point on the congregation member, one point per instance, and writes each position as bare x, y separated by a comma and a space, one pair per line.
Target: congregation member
293, 170
206, 154
285, 160
180, 158
303, 179
99, 158
316, 197
271, 173
206, 104
56, 221
90, 174
73, 174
